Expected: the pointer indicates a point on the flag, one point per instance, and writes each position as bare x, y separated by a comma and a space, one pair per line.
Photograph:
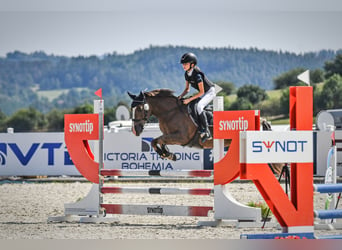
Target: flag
333, 138
99, 93
305, 77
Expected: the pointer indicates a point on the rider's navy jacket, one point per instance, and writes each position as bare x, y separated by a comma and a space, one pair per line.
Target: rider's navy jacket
196, 77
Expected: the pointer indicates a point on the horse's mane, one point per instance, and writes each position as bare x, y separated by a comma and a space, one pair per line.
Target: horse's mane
160, 93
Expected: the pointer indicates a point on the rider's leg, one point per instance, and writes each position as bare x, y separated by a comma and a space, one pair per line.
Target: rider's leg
205, 132
205, 100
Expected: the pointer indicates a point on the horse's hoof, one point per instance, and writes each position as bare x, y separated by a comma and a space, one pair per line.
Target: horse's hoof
172, 157
206, 138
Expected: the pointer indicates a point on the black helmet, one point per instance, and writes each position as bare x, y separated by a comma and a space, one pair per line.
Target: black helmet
188, 58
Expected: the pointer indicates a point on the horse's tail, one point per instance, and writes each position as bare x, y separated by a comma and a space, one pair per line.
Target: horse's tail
275, 167
266, 125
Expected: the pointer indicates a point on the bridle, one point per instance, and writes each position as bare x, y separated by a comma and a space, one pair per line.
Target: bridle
146, 109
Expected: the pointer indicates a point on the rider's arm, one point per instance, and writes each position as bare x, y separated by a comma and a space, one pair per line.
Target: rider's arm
199, 94
186, 90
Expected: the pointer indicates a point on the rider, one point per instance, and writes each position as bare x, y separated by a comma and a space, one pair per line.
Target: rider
206, 90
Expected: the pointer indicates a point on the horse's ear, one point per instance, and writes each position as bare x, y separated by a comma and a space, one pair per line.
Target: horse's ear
131, 95
141, 96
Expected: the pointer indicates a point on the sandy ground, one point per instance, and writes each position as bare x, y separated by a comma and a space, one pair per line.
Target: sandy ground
25, 208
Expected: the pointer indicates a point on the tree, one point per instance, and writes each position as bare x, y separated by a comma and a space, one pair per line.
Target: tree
2, 120
241, 103
287, 79
316, 76
252, 93
84, 109
109, 115
284, 102
55, 120
27, 120
330, 97
227, 87
333, 67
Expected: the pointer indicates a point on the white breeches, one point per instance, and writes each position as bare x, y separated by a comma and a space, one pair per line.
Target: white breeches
206, 99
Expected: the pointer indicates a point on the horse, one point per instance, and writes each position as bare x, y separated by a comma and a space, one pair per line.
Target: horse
175, 122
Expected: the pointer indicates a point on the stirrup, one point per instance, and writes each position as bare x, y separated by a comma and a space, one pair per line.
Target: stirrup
205, 136
202, 134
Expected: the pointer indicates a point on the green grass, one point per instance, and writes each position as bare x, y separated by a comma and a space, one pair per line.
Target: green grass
231, 98
283, 121
272, 94
53, 94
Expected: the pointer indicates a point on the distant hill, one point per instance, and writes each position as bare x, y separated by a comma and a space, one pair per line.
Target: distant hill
22, 75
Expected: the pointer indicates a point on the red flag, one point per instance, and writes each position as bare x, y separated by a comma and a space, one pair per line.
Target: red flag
333, 138
99, 93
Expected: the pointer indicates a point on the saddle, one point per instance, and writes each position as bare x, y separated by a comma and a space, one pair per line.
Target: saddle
192, 111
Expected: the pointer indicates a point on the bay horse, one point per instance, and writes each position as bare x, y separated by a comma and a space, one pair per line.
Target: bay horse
175, 123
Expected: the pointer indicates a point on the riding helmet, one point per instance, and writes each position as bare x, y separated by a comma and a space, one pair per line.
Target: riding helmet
189, 58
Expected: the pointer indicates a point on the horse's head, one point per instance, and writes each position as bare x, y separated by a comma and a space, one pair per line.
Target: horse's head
140, 112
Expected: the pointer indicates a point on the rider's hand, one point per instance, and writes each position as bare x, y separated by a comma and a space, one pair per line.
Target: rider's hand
186, 101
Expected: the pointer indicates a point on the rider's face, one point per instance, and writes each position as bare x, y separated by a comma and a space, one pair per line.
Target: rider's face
186, 66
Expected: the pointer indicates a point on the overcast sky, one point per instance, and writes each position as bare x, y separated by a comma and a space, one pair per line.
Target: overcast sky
97, 27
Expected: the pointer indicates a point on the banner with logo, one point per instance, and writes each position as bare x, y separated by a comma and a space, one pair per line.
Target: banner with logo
26, 154
276, 147
124, 150
32, 154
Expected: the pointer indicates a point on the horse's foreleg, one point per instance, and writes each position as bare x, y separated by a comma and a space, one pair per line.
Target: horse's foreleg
168, 154
164, 152
157, 148
160, 147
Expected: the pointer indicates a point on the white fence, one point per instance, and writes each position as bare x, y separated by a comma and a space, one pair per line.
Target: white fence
31, 154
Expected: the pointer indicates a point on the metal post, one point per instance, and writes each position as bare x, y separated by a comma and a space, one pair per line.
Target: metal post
99, 109
334, 168
218, 149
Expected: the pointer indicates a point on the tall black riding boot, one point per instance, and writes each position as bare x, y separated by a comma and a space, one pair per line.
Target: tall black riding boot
205, 133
